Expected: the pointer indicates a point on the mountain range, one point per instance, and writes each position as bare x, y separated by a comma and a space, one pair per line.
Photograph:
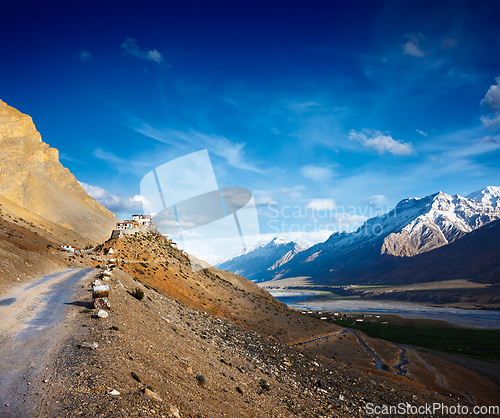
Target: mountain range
256, 264
414, 227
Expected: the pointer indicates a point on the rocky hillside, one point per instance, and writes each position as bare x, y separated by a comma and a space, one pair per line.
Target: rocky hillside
32, 178
256, 264
156, 357
152, 260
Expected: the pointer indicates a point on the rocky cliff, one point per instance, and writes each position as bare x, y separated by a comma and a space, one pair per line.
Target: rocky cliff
32, 177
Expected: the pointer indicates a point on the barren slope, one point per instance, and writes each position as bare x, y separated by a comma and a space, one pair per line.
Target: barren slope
32, 177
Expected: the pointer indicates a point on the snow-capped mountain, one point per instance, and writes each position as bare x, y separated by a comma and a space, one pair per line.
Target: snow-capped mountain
490, 195
414, 226
257, 264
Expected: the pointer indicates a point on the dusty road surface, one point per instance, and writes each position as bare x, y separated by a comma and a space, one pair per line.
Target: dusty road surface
34, 320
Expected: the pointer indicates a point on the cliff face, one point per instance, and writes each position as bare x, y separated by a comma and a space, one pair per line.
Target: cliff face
32, 177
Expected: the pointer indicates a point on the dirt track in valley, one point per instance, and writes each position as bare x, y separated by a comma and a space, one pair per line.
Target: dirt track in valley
34, 324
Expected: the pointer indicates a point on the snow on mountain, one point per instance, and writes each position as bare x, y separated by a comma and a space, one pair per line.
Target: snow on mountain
257, 264
414, 226
489, 195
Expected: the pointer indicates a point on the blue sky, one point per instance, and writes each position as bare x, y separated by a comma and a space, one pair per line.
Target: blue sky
344, 107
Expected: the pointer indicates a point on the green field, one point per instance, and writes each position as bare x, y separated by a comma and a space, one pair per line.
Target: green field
479, 343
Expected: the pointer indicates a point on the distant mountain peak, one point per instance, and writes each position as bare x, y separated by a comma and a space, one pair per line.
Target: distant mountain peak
490, 195
257, 263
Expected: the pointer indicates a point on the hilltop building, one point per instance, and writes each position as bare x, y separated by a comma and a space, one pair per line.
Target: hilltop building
138, 223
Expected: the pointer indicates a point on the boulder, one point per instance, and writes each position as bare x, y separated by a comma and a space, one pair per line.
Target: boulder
149, 394
101, 303
102, 314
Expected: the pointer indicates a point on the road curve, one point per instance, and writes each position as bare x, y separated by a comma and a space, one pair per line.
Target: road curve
31, 329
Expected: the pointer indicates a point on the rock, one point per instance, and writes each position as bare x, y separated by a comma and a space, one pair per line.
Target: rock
341, 397
18, 279
100, 291
114, 392
239, 390
149, 394
101, 303
91, 346
102, 314
174, 411
42, 183
264, 384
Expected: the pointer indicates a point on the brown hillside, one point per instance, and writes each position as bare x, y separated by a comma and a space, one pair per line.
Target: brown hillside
153, 261
32, 178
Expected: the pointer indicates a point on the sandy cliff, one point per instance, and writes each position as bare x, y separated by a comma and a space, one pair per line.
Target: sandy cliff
32, 177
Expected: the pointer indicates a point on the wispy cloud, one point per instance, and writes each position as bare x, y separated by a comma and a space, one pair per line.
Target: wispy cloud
84, 55
274, 196
303, 107
63, 156
131, 47
383, 143
218, 145
112, 202
317, 173
412, 46
422, 132
123, 165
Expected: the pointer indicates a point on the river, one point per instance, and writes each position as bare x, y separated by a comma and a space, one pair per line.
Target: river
462, 317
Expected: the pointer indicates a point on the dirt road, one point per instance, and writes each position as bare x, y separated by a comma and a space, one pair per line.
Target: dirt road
34, 320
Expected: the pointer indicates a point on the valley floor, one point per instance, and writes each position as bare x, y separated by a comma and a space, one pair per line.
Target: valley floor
198, 365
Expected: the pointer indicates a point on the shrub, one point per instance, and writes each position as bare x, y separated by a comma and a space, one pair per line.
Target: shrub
202, 380
138, 293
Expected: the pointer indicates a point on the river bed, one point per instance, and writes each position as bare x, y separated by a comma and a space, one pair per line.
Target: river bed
462, 317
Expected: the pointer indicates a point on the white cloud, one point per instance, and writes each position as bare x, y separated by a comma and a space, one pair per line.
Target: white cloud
422, 132
376, 200
307, 238
131, 47
114, 203
380, 142
490, 122
492, 97
411, 48
231, 151
281, 193
317, 173
321, 205
84, 55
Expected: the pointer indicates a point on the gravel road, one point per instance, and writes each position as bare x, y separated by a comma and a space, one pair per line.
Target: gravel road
34, 322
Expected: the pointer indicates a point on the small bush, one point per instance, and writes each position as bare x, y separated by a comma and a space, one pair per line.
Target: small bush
138, 293
114, 328
202, 380
86, 310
